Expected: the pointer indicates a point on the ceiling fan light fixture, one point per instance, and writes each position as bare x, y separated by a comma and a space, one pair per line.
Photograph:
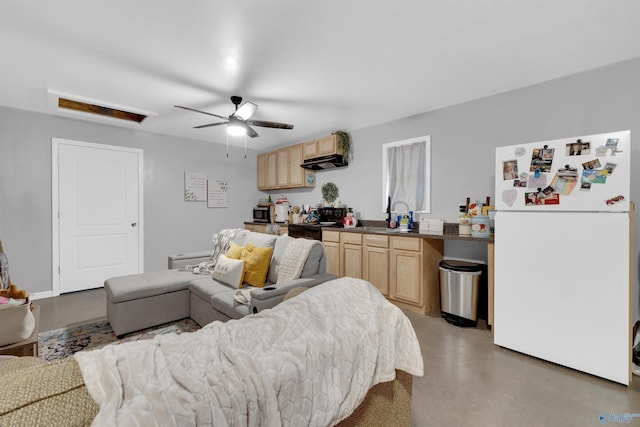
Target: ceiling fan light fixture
238, 123
236, 130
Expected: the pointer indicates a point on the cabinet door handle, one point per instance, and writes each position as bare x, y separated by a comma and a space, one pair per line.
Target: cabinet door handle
133, 224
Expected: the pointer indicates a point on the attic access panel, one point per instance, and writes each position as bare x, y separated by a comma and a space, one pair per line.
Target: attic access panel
100, 110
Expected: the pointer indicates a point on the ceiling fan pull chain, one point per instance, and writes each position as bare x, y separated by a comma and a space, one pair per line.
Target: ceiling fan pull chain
227, 146
245, 145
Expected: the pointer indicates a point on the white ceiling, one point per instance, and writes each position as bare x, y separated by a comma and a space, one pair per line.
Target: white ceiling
320, 65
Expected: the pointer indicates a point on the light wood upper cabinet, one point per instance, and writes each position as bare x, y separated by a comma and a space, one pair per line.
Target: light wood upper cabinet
310, 149
281, 169
322, 147
262, 171
272, 178
296, 173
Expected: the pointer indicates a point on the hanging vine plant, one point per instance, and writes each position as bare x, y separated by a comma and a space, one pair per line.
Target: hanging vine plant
330, 192
344, 144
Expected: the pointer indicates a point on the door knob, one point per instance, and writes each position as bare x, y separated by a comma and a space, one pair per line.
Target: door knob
133, 224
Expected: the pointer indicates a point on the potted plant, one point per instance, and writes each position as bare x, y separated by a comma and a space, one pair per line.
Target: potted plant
344, 144
330, 192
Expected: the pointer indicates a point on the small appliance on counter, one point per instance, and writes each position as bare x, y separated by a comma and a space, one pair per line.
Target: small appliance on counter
323, 217
264, 214
282, 209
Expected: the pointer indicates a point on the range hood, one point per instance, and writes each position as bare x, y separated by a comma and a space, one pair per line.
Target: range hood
324, 162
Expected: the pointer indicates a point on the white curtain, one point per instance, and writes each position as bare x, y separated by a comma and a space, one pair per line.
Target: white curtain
406, 168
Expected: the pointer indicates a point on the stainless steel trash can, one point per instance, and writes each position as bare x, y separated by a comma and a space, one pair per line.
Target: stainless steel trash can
459, 289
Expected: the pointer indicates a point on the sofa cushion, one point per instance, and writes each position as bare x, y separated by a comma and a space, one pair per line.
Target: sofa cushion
225, 303
310, 267
135, 286
256, 264
278, 250
229, 271
313, 261
260, 240
205, 287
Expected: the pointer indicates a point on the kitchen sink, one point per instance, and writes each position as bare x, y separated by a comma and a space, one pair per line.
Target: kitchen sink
388, 230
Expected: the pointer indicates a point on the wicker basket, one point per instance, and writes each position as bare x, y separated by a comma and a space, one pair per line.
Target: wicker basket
17, 323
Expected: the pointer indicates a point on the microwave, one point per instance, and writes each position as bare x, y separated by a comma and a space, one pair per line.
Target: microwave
263, 214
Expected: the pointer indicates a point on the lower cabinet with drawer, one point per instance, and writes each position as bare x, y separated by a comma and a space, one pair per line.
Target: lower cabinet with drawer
375, 261
404, 269
331, 242
414, 280
351, 255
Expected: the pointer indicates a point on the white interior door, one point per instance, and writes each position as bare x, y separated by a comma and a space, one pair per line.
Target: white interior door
99, 210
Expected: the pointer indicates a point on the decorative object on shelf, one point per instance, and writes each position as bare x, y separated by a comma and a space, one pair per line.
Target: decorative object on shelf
350, 220
310, 178
273, 229
330, 192
344, 143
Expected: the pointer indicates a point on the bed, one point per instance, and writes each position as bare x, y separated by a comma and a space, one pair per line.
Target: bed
337, 354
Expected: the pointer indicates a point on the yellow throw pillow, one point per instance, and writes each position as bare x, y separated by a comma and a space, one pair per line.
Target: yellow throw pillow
256, 264
235, 251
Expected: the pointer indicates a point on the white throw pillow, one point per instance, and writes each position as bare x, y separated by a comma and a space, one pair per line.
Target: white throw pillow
229, 271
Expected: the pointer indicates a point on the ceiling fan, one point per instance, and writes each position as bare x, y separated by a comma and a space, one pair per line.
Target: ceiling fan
238, 122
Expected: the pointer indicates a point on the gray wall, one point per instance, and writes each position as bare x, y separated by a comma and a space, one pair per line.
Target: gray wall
463, 141
170, 224
464, 137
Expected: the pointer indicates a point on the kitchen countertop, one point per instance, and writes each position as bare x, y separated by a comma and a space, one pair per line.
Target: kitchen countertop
378, 227
412, 233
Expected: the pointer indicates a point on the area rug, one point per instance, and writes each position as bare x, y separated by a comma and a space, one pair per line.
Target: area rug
64, 342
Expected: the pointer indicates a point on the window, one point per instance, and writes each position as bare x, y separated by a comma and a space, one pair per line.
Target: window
406, 174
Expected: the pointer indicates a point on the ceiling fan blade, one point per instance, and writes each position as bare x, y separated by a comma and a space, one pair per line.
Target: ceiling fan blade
210, 124
269, 124
236, 122
199, 111
252, 133
247, 110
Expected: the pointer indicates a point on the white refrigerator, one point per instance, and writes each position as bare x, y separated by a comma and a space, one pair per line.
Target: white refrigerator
563, 243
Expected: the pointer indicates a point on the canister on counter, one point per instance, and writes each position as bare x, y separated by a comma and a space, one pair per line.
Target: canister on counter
464, 227
480, 226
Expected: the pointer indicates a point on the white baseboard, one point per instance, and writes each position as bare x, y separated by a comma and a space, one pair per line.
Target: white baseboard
41, 295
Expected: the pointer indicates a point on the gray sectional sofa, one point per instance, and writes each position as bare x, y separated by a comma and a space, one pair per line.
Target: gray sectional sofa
143, 300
